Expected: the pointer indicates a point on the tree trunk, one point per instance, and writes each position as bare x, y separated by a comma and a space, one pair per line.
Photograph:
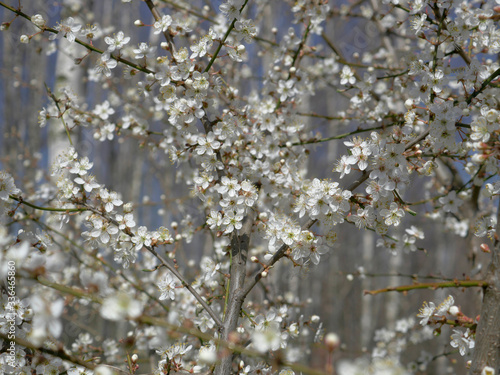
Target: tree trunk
487, 349
239, 250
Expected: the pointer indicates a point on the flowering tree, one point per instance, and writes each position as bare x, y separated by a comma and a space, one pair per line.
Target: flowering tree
420, 106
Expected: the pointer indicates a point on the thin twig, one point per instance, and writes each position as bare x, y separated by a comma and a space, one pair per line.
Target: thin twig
188, 286
451, 284
22, 201
82, 43
166, 33
221, 43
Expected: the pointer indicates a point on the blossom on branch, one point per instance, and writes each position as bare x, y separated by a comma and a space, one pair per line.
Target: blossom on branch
67, 28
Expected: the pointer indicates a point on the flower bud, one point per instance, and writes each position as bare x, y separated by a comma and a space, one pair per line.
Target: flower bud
332, 341
485, 248
478, 158
454, 310
128, 207
38, 20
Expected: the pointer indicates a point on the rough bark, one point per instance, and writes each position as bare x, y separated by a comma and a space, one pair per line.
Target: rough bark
239, 251
487, 349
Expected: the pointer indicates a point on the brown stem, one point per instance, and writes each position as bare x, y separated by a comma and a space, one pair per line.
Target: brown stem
449, 284
166, 33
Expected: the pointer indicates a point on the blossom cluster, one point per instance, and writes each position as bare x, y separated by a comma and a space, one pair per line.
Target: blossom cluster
464, 341
426, 105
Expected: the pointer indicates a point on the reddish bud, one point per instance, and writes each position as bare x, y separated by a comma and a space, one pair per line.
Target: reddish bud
485, 248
